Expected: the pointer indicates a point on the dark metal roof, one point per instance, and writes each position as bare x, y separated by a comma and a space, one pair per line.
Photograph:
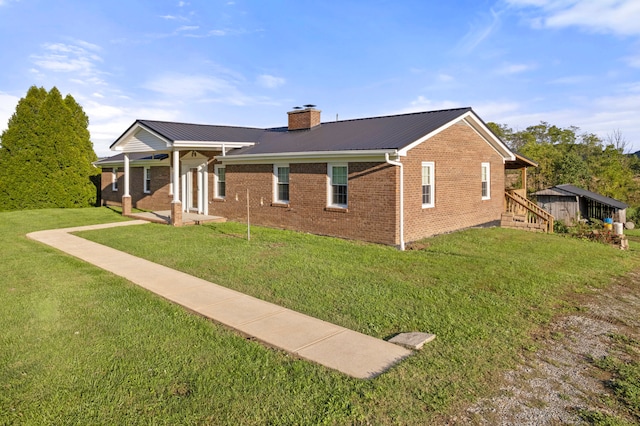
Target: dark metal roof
133, 156
388, 132
202, 132
567, 189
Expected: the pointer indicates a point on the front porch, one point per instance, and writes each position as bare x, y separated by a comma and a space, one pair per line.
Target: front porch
188, 218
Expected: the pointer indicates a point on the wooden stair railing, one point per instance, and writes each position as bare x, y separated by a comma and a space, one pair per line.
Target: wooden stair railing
524, 210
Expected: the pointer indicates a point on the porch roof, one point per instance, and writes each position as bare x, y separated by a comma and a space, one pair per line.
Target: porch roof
519, 162
152, 136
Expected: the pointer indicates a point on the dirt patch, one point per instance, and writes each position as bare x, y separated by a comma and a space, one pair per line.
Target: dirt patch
559, 381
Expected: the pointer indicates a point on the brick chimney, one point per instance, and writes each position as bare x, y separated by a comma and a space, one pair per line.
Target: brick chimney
304, 119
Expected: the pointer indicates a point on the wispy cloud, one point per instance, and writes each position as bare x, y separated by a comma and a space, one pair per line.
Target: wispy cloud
78, 58
605, 16
479, 32
187, 28
572, 79
633, 61
189, 86
270, 82
510, 69
422, 103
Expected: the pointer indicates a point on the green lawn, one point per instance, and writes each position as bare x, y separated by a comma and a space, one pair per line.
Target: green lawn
81, 346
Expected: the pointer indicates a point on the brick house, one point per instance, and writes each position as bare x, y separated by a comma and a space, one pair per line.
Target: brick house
389, 180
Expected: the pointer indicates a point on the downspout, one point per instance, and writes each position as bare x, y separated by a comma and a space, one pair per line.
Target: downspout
399, 164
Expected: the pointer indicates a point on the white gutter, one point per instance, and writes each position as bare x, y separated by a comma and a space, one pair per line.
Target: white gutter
310, 156
399, 164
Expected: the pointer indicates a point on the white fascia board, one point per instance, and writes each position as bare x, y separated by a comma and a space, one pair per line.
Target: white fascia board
479, 127
377, 155
210, 144
118, 144
476, 124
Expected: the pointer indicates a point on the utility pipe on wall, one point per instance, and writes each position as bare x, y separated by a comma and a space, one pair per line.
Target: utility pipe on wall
399, 164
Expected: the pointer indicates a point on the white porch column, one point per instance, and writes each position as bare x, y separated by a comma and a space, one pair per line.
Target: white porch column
126, 174
176, 206
176, 176
126, 198
200, 190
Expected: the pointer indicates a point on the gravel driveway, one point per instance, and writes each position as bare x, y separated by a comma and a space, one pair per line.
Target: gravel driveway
557, 382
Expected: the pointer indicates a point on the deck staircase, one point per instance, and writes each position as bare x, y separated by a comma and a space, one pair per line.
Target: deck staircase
522, 213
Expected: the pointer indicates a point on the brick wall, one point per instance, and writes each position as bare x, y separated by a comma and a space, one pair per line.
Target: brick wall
371, 214
158, 199
457, 153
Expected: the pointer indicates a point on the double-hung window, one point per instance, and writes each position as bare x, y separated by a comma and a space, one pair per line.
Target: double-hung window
338, 177
147, 180
428, 186
114, 179
220, 183
281, 189
486, 181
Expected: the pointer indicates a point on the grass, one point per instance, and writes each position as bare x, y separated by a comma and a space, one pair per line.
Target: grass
624, 382
80, 345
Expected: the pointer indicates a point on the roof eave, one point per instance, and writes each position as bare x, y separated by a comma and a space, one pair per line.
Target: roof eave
477, 125
311, 156
118, 144
210, 144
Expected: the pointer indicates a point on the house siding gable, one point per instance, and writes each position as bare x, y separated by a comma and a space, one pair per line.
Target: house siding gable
144, 141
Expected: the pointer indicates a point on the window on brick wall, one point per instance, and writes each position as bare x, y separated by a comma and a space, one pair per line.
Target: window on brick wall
428, 187
220, 181
114, 179
147, 180
486, 181
281, 183
338, 180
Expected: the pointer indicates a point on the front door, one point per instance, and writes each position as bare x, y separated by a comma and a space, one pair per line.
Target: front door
194, 182
193, 196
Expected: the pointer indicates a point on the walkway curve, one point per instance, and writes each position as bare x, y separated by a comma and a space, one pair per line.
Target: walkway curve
352, 353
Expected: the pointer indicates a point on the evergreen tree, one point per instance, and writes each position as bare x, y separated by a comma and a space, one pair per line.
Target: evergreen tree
46, 154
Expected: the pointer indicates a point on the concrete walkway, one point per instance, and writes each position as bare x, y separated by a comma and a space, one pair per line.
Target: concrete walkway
339, 348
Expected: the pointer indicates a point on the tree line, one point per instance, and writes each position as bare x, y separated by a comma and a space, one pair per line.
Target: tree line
568, 156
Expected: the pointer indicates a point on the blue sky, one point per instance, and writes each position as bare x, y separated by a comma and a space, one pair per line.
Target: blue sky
248, 62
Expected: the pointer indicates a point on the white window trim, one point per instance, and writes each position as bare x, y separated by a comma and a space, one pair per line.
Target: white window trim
488, 167
276, 198
145, 170
330, 203
432, 174
216, 169
114, 179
